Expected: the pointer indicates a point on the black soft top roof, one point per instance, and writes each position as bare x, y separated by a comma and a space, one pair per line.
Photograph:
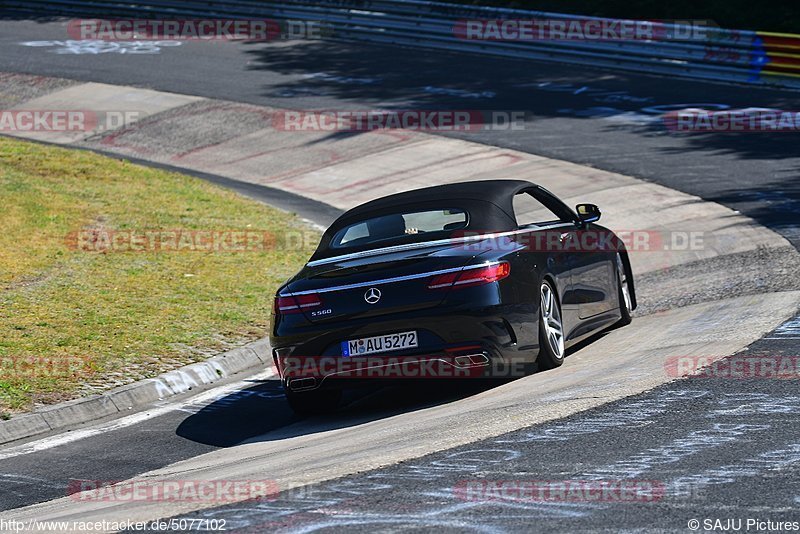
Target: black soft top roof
497, 192
488, 202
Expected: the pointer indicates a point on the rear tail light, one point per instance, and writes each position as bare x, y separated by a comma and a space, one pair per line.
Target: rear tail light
471, 276
297, 303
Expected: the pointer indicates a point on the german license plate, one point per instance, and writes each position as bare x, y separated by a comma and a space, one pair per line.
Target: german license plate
372, 345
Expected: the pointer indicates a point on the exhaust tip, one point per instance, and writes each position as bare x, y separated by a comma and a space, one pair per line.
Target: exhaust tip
479, 359
472, 360
299, 384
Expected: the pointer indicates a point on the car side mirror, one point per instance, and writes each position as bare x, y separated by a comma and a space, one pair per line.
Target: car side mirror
588, 213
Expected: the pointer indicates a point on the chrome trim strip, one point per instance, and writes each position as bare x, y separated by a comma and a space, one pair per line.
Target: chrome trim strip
390, 280
423, 244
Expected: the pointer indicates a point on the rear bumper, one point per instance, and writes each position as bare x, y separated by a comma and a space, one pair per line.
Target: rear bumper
321, 372
455, 345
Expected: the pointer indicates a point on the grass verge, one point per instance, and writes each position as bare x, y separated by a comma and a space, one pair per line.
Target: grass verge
80, 312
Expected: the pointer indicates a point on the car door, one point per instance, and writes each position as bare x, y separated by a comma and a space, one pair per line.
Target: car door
593, 273
585, 247
547, 229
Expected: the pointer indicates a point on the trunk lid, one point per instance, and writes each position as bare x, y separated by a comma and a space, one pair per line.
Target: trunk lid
379, 284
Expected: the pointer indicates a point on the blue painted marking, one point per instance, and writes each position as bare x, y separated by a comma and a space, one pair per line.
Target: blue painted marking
758, 59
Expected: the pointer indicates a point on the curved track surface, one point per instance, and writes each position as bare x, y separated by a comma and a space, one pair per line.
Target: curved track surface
602, 119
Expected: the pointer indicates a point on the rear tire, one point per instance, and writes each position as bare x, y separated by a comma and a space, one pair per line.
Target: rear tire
623, 293
551, 328
316, 402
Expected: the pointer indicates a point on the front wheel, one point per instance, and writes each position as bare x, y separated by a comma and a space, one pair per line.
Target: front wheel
551, 328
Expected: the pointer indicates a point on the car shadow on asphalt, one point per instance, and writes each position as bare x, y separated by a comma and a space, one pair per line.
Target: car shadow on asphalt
261, 413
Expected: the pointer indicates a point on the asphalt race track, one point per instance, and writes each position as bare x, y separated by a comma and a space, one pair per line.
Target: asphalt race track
719, 448
607, 120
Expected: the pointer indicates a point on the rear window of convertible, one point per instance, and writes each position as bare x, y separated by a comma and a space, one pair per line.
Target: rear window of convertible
398, 225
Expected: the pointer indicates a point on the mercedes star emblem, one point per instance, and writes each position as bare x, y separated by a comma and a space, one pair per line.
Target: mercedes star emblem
372, 295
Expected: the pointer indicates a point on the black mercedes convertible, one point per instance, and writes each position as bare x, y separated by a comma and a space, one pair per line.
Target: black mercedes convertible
474, 279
